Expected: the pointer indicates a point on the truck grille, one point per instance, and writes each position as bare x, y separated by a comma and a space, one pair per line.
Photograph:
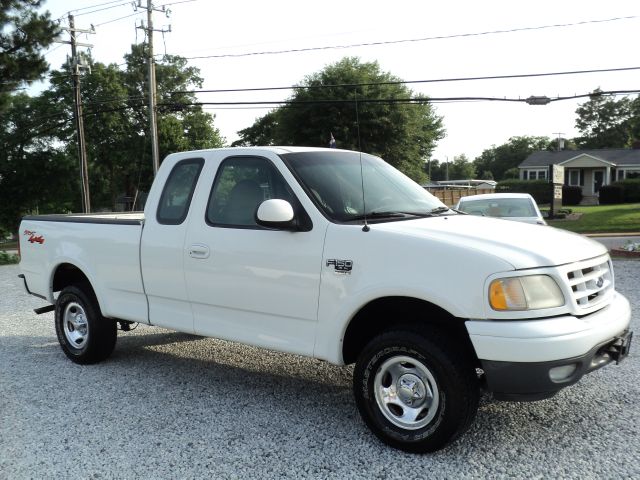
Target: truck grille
591, 282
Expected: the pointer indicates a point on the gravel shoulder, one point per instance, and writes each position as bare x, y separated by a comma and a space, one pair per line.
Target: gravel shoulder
170, 405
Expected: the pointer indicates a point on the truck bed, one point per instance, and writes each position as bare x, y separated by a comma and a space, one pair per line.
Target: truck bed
105, 246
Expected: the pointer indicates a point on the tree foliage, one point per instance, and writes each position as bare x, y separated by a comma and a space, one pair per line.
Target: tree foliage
23, 34
363, 108
39, 166
34, 175
461, 168
117, 122
606, 122
497, 160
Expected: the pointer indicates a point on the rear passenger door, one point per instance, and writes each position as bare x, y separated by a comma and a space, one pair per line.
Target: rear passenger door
162, 247
246, 282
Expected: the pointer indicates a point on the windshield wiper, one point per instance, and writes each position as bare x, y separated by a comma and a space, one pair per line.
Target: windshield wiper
390, 214
439, 210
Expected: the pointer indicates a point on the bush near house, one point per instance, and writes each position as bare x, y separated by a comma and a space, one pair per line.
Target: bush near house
571, 195
626, 191
611, 194
631, 190
538, 189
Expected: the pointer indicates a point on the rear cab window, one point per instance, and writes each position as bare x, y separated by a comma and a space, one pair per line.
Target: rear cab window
178, 191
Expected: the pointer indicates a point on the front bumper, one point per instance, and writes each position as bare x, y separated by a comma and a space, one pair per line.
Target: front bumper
519, 381
517, 356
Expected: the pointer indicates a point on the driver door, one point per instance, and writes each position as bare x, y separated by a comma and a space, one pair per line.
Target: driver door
246, 282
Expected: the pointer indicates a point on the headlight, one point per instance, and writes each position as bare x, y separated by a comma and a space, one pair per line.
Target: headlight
525, 293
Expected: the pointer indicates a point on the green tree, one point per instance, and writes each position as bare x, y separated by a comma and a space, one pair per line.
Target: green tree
498, 159
605, 122
117, 123
23, 34
384, 122
461, 168
34, 172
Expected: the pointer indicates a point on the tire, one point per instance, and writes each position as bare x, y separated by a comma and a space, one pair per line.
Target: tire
84, 334
416, 390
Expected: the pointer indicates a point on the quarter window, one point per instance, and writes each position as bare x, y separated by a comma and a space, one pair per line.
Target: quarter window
178, 191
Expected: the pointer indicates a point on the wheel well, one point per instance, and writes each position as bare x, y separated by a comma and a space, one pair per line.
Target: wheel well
389, 312
67, 274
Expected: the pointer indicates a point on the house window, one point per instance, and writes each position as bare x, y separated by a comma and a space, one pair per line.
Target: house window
538, 174
635, 173
574, 178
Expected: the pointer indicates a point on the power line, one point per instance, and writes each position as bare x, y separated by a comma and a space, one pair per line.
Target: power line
105, 8
406, 100
404, 82
413, 40
94, 6
119, 18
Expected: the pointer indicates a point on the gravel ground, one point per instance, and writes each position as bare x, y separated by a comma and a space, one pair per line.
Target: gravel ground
170, 405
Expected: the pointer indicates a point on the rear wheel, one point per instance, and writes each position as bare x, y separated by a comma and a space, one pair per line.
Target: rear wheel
416, 390
84, 334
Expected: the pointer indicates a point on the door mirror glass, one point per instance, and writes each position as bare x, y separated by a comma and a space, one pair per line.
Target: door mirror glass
276, 213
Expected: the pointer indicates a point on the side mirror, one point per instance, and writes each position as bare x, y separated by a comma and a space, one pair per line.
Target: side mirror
276, 213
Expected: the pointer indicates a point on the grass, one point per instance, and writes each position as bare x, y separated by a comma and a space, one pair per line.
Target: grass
603, 219
8, 259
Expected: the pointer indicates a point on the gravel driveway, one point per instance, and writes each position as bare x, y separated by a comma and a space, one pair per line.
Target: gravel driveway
170, 405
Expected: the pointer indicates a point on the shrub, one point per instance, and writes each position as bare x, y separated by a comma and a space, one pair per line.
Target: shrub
631, 190
611, 194
571, 195
7, 258
540, 190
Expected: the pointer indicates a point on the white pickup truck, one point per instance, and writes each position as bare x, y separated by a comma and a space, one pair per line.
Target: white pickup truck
336, 255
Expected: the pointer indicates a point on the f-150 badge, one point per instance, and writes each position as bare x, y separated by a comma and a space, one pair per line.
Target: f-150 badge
340, 266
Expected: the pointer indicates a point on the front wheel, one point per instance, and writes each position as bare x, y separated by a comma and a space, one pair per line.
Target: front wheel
84, 334
417, 391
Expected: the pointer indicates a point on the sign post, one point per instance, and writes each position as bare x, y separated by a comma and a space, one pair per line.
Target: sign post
556, 180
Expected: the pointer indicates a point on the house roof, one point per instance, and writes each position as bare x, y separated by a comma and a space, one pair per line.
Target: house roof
617, 156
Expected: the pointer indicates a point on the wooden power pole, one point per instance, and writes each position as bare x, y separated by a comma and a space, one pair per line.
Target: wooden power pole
76, 65
153, 122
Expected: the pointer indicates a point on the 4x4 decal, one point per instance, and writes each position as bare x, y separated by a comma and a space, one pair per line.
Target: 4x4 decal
33, 237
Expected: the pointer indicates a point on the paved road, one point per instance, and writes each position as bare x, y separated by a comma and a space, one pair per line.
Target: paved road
169, 405
616, 242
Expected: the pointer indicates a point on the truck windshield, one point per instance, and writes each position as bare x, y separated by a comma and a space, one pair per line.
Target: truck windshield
334, 181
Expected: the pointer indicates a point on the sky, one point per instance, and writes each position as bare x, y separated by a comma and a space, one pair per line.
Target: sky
594, 35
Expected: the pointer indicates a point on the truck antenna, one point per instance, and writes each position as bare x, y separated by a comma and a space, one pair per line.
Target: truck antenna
364, 204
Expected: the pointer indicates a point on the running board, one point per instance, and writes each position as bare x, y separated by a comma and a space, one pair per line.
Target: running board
47, 309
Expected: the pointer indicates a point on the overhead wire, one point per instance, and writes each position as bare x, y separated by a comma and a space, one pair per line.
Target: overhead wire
120, 18
403, 82
412, 40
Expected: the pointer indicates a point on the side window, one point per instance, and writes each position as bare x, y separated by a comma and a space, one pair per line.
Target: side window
241, 185
177, 192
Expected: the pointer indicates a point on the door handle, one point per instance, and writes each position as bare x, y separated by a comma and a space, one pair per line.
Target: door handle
199, 251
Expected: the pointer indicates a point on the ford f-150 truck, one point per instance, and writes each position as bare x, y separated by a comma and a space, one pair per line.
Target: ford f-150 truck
336, 255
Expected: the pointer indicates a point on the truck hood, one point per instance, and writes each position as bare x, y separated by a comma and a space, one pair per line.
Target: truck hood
522, 245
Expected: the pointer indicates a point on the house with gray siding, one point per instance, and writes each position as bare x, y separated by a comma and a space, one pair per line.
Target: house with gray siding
588, 169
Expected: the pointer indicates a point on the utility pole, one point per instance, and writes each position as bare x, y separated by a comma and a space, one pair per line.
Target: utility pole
560, 144
76, 65
153, 122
